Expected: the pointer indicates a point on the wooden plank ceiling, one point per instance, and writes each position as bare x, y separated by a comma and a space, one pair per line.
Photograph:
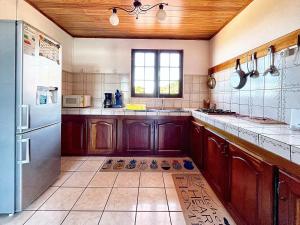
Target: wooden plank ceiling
186, 19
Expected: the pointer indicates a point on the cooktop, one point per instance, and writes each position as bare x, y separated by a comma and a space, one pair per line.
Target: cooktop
216, 111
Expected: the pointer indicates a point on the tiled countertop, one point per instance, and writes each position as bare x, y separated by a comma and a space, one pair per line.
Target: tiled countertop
278, 139
123, 111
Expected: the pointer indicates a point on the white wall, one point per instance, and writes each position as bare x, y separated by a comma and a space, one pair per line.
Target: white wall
261, 22
114, 55
8, 9
12, 9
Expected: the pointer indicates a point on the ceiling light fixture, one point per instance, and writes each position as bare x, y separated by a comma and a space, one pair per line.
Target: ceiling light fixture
138, 9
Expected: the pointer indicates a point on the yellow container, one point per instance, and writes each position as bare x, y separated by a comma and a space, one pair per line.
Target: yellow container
135, 106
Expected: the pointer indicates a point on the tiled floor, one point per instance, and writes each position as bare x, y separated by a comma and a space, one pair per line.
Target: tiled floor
84, 196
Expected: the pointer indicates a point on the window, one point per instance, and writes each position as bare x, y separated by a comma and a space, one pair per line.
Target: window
156, 73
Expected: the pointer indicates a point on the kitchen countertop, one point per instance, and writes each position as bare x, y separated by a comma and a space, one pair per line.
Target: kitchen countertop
276, 138
123, 111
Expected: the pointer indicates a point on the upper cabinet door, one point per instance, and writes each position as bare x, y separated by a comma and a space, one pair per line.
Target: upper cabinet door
171, 136
250, 188
216, 163
102, 136
197, 137
288, 199
138, 136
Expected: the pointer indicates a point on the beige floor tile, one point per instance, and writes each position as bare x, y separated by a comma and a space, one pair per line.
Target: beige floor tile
62, 178
47, 218
41, 200
117, 218
82, 218
173, 200
16, 219
152, 199
128, 179
70, 165
151, 218
74, 158
177, 218
168, 180
93, 199
91, 165
97, 158
79, 179
103, 179
62, 199
151, 179
122, 199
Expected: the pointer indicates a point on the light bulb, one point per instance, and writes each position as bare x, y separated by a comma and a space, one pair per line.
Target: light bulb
114, 19
161, 14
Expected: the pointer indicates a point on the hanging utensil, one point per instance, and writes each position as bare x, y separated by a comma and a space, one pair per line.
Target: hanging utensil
211, 82
239, 77
272, 69
254, 72
297, 54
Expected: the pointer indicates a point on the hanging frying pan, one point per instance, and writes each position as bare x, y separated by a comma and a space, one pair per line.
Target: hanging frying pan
239, 77
211, 82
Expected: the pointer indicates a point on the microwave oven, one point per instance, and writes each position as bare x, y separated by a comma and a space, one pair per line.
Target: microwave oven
76, 101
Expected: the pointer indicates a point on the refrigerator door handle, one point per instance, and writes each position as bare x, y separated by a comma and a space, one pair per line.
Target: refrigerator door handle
24, 126
27, 155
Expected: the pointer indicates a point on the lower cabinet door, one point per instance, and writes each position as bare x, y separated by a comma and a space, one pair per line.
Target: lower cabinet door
197, 136
216, 163
250, 189
73, 135
138, 136
102, 136
288, 199
171, 137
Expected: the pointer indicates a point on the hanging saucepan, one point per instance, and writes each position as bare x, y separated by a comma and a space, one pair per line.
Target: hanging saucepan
239, 77
254, 72
272, 68
211, 82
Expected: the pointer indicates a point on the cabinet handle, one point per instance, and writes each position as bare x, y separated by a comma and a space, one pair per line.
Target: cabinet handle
280, 187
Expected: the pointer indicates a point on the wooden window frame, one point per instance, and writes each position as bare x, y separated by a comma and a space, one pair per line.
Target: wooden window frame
156, 93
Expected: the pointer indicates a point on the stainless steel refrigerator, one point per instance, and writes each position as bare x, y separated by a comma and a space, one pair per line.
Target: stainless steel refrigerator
30, 114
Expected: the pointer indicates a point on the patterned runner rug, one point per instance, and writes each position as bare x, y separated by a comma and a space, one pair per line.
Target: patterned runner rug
199, 203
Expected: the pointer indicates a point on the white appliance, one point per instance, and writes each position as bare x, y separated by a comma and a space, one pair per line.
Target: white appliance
76, 101
295, 119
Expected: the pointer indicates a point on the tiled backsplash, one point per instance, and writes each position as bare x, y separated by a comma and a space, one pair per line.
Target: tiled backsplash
265, 96
96, 84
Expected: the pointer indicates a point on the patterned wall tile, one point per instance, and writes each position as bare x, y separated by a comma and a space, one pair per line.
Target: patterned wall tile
277, 147
295, 154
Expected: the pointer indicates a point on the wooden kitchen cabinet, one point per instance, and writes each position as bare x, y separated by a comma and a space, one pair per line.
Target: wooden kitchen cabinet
172, 136
196, 149
73, 135
102, 136
138, 136
251, 189
216, 163
288, 199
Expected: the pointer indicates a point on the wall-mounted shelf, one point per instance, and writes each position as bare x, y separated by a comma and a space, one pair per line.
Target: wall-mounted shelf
279, 44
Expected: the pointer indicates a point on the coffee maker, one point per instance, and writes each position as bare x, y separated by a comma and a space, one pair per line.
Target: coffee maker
108, 101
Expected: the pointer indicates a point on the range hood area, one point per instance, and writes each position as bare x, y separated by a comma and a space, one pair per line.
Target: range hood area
144, 112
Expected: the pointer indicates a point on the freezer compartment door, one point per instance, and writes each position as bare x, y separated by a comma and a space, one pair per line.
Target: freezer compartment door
38, 163
39, 80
